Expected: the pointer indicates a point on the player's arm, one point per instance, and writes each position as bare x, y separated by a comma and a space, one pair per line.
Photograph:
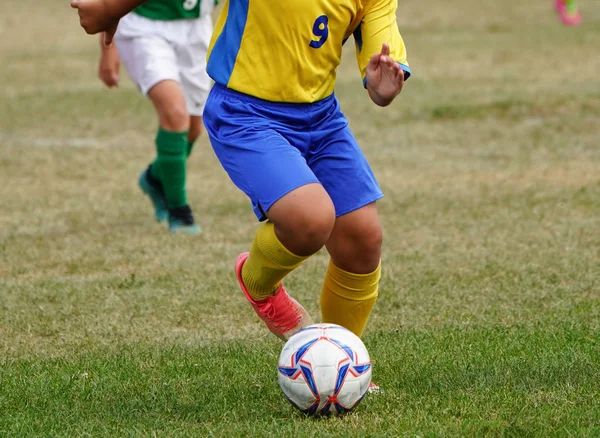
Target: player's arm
103, 15
381, 53
108, 66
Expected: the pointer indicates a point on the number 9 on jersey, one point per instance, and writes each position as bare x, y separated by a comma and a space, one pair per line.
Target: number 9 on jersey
321, 31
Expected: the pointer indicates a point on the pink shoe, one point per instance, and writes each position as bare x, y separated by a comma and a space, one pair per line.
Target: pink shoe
569, 16
283, 315
374, 389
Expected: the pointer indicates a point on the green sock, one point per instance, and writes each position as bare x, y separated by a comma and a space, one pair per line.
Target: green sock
169, 166
154, 170
190, 146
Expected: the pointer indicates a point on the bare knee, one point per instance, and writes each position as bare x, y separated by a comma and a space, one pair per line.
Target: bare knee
369, 243
355, 243
169, 102
306, 233
361, 251
174, 118
304, 219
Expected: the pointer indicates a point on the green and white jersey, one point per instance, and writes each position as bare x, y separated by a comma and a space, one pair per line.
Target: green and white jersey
165, 10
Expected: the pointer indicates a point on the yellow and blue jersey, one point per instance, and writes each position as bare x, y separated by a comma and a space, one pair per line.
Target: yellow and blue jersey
289, 50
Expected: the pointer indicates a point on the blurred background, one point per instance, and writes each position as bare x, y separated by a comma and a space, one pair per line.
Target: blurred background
490, 163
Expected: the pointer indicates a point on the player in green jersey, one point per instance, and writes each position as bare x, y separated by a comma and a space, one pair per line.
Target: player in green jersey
163, 45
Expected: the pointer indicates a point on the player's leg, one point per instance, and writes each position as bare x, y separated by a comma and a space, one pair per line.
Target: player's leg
194, 132
171, 147
351, 282
267, 164
299, 225
350, 288
351, 285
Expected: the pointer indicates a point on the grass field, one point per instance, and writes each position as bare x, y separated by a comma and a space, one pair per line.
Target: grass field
488, 322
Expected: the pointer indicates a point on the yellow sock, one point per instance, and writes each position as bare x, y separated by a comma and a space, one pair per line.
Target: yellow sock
268, 263
347, 299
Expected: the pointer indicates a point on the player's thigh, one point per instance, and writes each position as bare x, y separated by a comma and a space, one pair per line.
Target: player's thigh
355, 242
342, 168
257, 157
147, 56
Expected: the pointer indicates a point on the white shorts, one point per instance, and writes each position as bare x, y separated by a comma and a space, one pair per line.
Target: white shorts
153, 51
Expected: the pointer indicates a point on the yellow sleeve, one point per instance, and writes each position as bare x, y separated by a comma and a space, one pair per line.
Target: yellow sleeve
379, 26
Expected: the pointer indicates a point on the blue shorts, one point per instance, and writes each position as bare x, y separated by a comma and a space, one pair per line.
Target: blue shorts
270, 148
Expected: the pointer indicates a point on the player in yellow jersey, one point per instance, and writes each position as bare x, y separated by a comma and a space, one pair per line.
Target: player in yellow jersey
277, 129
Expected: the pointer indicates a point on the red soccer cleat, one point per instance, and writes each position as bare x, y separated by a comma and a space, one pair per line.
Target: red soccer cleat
283, 315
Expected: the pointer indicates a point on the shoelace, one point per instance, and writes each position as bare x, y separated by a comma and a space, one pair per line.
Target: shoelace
270, 312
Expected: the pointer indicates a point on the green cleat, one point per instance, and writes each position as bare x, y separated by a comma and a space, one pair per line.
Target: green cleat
181, 221
153, 189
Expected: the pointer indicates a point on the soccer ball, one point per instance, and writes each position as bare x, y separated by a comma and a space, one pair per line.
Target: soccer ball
324, 368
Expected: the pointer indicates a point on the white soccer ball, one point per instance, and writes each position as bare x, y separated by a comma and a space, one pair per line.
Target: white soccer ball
324, 368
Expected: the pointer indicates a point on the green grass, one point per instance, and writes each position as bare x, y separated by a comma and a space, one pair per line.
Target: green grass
479, 381
488, 322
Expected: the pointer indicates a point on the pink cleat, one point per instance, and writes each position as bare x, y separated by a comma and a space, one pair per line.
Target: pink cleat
374, 389
283, 315
568, 12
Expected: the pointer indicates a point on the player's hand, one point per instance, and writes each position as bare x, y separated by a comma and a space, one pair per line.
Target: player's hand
385, 78
94, 17
108, 68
